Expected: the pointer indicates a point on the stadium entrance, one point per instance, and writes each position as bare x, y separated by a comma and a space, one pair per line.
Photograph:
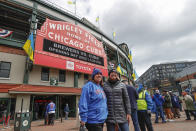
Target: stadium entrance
39, 104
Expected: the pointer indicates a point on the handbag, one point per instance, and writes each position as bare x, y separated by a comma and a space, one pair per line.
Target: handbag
82, 128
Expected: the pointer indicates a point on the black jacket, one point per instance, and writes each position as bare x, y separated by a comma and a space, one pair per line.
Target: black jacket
133, 96
117, 101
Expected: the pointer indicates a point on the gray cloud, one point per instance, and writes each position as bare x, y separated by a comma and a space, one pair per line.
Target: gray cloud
152, 37
153, 40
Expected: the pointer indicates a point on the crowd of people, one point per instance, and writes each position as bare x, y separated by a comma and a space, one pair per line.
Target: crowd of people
116, 102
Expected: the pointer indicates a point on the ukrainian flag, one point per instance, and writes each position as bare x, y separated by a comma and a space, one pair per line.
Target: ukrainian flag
130, 56
97, 19
71, 2
119, 69
29, 47
114, 34
134, 75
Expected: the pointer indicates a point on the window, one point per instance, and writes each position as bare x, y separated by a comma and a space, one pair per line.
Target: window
61, 76
45, 74
194, 76
85, 76
5, 69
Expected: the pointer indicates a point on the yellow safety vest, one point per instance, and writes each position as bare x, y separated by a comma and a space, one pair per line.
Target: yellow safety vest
141, 102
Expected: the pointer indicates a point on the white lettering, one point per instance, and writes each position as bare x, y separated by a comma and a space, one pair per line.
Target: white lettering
49, 35
83, 68
52, 26
68, 27
58, 26
57, 37
93, 50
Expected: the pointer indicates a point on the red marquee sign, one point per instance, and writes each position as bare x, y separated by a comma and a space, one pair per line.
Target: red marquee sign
66, 46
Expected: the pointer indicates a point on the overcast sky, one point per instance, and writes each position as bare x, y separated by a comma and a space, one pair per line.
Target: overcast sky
156, 31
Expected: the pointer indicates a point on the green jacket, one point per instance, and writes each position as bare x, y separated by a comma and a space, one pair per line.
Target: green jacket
189, 102
167, 103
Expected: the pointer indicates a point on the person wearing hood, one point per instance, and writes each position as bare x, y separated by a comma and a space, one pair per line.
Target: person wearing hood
167, 105
119, 109
188, 106
144, 105
158, 99
175, 105
93, 103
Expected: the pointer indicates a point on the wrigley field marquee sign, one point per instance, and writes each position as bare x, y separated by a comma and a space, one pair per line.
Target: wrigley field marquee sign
66, 46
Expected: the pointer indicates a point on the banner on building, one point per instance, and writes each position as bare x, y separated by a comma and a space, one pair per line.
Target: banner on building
67, 46
5, 33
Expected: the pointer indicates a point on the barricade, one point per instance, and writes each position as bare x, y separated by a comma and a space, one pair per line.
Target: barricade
4, 120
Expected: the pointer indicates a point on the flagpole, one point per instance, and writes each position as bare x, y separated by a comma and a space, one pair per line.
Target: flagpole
113, 33
75, 7
118, 61
99, 25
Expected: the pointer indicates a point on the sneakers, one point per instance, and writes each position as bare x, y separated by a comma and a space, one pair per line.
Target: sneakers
188, 119
171, 120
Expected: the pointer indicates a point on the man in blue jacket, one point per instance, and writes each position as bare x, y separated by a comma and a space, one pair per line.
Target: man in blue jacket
158, 99
133, 96
50, 110
144, 105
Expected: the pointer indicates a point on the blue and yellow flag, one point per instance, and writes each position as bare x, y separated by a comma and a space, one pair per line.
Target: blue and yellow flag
114, 34
72, 2
119, 69
130, 56
97, 19
29, 47
134, 75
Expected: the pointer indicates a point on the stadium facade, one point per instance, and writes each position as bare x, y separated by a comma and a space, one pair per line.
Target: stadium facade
66, 50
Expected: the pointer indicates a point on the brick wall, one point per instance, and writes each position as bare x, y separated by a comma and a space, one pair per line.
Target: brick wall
11, 50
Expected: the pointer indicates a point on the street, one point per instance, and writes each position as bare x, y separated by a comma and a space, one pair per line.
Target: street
70, 125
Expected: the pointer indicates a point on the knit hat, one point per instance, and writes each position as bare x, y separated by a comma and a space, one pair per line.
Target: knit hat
184, 93
112, 70
95, 72
187, 90
157, 91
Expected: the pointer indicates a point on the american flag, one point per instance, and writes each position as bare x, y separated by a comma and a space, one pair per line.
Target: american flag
5, 33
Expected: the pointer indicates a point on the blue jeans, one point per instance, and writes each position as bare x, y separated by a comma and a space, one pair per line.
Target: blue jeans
135, 120
94, 127
66, 115
159, 109
122, 126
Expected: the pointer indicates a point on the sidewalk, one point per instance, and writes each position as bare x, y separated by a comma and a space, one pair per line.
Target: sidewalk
70, 125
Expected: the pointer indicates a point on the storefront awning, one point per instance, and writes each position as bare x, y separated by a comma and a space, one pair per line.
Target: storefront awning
37, 89
4, 88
